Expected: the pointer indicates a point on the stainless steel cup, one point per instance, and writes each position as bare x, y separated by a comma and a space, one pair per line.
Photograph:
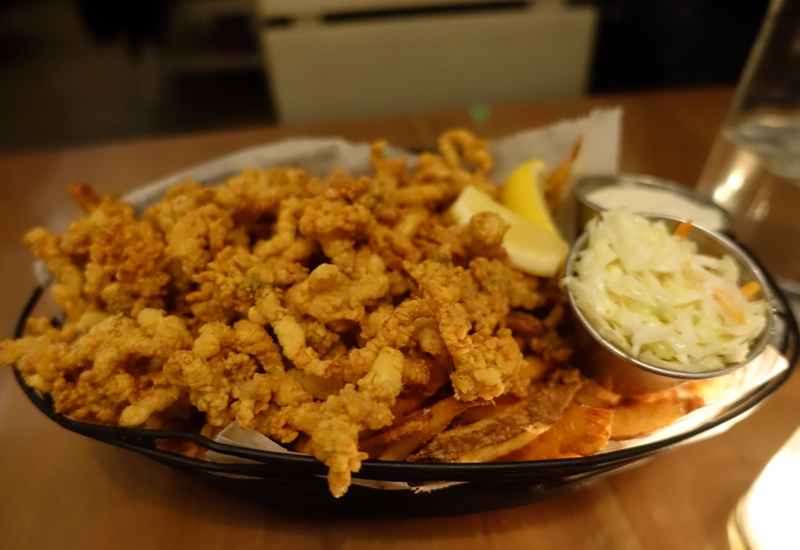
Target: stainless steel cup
588, 209
626, 375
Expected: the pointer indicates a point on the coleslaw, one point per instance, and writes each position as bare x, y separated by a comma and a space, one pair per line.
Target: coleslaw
650, 293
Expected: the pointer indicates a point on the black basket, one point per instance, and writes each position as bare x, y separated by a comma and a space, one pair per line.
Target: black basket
297, 481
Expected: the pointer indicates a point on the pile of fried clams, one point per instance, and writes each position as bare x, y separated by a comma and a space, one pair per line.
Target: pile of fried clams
331, 315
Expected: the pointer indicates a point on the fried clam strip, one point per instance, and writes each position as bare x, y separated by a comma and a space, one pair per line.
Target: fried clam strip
396, 331
486, 366
200, 235
291, 336
334, 425
339, 297
443, 177
126, 268
291, 305
231, 284
524, 419
582, 431
68, 291
108, 261
336, 225
376, 444
252, 193
111, 372
237, 373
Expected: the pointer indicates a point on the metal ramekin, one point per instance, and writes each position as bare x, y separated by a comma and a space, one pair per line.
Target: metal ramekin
587, 209
626, 375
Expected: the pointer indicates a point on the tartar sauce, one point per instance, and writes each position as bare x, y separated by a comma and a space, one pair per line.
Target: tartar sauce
652, 200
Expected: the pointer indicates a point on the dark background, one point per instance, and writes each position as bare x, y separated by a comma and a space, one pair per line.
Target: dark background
82, 71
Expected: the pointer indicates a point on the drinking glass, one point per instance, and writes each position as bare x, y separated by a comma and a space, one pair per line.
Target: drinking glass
753, 170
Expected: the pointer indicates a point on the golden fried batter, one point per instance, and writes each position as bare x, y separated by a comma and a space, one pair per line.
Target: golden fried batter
291, 305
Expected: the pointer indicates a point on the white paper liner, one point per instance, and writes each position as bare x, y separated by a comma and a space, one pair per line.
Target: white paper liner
234, 435
601, 131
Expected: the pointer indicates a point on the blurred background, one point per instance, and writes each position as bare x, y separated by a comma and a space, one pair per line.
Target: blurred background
76, 72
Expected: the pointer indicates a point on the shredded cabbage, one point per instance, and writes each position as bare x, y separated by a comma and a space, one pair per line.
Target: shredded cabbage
651, 294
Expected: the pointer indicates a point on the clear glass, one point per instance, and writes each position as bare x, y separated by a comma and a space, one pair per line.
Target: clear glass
753, 170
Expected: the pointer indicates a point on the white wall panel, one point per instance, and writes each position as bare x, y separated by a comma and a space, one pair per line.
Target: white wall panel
365, 68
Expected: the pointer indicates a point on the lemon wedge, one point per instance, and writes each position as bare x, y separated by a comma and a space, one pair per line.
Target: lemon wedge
531, 248
523, 193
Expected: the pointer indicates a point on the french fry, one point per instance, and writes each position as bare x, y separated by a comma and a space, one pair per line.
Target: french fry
536, 368
543, 408
582, 431
593, 394
509, 446
479, 413
182, 447
303, 444
405, 405
709, 389
442, 414
525, 323
554, 183
642, 417
375, 444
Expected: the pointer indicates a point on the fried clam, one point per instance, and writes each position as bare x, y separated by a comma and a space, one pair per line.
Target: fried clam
343, 317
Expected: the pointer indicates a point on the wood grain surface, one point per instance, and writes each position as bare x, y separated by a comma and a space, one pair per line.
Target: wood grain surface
60, 490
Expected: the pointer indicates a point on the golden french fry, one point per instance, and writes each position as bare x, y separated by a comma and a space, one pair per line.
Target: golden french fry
525, 323
582, 431
509, 446
542, 408
642, 417
303, 444
707, 390
554, 183
375, 444
182, 447
479, 413
593, 394
442, 414
536, 368
404, 406
407, 403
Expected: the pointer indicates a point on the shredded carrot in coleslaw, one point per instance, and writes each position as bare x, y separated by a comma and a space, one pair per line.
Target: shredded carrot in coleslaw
650, 293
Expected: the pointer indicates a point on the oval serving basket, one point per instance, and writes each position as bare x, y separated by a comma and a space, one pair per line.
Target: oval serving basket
297, 481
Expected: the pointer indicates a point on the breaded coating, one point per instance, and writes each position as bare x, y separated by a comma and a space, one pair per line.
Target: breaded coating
315, 311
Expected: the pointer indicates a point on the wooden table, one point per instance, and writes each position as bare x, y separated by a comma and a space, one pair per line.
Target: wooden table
61, 490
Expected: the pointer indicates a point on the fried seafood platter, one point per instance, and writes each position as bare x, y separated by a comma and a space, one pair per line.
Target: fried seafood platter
344, 318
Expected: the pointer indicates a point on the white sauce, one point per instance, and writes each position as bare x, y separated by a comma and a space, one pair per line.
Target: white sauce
652, 200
